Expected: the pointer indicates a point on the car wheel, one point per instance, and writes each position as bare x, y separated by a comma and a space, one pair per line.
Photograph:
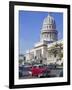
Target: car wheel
39, 75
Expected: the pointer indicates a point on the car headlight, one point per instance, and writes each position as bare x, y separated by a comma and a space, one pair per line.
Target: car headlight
30, 72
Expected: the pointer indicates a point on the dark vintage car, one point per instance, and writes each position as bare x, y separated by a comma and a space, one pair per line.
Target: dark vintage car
24, 71
53, 73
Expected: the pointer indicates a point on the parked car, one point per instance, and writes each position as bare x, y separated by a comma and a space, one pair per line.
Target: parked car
51, 66
24, 71
55, 73
37, 70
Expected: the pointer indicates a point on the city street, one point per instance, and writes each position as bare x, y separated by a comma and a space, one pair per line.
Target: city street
39, 72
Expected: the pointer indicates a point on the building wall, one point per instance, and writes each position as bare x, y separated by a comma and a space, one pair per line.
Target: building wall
41, 53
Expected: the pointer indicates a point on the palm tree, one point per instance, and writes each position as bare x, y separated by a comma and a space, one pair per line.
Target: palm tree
60, 53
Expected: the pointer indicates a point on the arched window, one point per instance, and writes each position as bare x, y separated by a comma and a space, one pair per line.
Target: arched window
49, 26
52, 26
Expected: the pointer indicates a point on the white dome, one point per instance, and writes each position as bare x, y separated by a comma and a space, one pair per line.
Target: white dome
49, 23
49, 32
49, 20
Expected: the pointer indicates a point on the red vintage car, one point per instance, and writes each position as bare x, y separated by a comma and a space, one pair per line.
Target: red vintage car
38, 70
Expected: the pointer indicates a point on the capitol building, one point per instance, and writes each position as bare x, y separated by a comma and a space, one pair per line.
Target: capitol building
49, 49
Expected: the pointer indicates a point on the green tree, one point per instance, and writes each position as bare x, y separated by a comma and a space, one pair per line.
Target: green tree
56, 50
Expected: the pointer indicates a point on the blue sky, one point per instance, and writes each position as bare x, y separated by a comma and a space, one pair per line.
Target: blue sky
30, 24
